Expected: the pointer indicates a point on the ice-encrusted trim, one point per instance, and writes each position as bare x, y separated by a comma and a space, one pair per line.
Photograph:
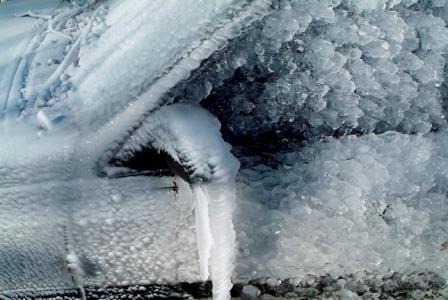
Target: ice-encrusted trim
103, 143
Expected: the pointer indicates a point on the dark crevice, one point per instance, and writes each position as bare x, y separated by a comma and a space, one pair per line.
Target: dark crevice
148, 161
270, 140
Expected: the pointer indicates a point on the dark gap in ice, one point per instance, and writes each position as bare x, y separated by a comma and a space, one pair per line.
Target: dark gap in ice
269, 140
148, 161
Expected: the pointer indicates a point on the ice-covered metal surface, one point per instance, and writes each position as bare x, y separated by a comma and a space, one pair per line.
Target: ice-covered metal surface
336, 109
35, 189
19, 38
51, 190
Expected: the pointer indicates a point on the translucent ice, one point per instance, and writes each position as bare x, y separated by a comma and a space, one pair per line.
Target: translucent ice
336, 109
190, 136
374, 202
359, 69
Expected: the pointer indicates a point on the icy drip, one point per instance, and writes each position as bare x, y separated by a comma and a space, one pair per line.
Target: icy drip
191, 136
223, 249
203, 233
214, 204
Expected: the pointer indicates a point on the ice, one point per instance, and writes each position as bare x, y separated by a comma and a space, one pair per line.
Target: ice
74, 268
359, 6
360, 56
190, 136
376, 193
194, 144
250, 292
18, 39
43, 120
335, 108
203, 233
45, 92
162, 25
33, 188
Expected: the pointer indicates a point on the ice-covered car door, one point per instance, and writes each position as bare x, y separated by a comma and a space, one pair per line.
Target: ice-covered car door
90, 75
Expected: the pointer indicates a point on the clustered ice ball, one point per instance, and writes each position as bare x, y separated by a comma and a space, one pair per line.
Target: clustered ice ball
331, 67
376, 203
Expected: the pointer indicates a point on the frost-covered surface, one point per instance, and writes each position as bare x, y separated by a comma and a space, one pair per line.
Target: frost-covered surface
331, 67
190, 136
18, 39
34, 188
78, 45
376, 202
355, 89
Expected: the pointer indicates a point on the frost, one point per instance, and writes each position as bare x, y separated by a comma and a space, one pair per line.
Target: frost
381, 207
356, 72
43, 120
335, 108
73, 267
190, 136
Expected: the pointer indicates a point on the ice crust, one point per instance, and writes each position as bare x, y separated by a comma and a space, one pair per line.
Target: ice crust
190, 135
314, 68
356, 89
376, 202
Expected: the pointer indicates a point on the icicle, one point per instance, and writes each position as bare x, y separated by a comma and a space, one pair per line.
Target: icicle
191, 136
221, 197
203, 232
215, 232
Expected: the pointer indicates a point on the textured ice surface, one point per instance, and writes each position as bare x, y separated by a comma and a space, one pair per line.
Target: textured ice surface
190, 136
34, 188
355, 89
375, 202
40, 95
316, 68
18, 35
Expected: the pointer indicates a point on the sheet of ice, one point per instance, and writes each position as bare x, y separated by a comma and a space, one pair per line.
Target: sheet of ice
130, 230
50, 166
135, 230
34, 190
